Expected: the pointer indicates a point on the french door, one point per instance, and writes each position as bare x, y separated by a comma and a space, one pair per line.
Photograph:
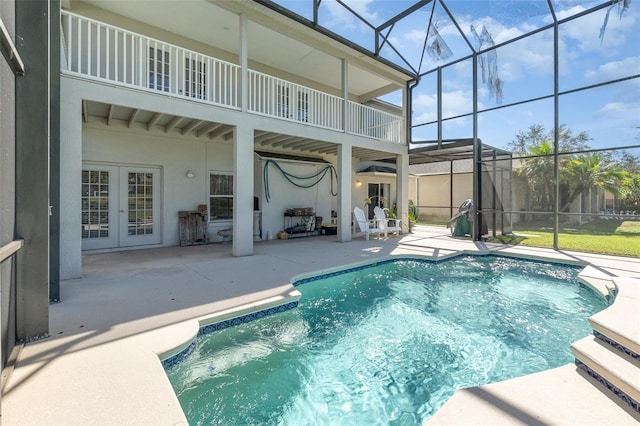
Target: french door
120, 206
379, 195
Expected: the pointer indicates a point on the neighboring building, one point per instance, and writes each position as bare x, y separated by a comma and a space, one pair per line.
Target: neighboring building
166, 109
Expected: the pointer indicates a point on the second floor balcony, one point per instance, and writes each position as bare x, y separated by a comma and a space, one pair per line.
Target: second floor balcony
99, 51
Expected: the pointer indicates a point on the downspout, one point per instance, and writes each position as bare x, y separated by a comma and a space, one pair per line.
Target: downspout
412, 84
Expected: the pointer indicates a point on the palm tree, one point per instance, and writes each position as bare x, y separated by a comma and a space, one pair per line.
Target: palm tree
537, 171
588, 171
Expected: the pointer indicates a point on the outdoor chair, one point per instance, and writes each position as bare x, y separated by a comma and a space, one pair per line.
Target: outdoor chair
365, 226
387, 224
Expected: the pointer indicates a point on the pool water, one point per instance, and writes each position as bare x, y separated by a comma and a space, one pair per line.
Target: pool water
387, 344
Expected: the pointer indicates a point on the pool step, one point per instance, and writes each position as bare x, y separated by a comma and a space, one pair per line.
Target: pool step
620, 322
613, 367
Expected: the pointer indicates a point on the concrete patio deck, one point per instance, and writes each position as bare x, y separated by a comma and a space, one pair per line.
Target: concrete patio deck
100, 364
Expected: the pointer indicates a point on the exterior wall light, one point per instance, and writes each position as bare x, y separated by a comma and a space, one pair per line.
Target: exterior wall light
358, 184
190, 174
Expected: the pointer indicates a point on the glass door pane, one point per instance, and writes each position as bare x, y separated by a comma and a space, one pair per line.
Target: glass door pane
139, 206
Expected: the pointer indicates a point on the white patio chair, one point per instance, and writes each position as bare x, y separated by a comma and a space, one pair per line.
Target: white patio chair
365, 226
387, 224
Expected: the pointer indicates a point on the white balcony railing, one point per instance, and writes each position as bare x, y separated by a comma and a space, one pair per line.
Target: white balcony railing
280, 98
100, 51
104, 52
367, 121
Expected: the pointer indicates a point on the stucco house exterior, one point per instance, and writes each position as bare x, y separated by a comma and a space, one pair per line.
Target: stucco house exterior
230, 105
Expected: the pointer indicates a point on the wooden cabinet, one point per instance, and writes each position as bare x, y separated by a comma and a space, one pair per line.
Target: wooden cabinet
194, 227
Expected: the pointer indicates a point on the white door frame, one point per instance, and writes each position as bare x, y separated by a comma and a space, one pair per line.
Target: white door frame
133, 215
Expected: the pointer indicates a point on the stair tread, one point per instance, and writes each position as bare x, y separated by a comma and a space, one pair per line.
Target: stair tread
620, 322
616, 367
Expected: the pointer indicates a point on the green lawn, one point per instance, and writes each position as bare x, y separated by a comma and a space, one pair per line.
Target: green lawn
614, 237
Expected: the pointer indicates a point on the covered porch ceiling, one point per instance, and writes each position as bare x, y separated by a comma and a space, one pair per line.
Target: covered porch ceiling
181, 126
135, 118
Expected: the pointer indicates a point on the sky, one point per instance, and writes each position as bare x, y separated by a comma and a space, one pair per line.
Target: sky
610, 114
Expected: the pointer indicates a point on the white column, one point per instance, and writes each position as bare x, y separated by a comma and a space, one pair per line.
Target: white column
242, 191
244, 64
406, 110
70, 181
402, 189
344, 193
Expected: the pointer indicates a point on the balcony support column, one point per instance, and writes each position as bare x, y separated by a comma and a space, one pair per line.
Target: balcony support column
242, 191
244, 64
405, 126
345, 93
402, 189
344, 193
70, 180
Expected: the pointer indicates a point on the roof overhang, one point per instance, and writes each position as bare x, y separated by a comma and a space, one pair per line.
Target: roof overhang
423, 152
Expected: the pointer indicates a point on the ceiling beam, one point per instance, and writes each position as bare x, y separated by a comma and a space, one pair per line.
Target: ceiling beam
276, 139
327, 150
275, 144
156, 117
85, 111
189, 127
307, 146
132, 117
266, 137
295, 142
221, 132
173, 123
228, 135
208, 129
110, 114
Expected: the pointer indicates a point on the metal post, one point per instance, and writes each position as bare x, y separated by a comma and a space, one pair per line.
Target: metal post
556, 136
32, 170
476, 154
54, 161
439, 106
450, 188
493, 199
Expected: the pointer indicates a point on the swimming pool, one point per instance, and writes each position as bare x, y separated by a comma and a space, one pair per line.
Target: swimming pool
387, 344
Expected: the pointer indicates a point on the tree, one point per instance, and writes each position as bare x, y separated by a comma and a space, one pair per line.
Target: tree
629, 195
537, 134
630, 192
587, 171
537, 171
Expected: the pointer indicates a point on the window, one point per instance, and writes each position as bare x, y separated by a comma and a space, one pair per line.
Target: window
95, 204
303, 106
158, 69
282, 101
195, 78
220, 196
140, 203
